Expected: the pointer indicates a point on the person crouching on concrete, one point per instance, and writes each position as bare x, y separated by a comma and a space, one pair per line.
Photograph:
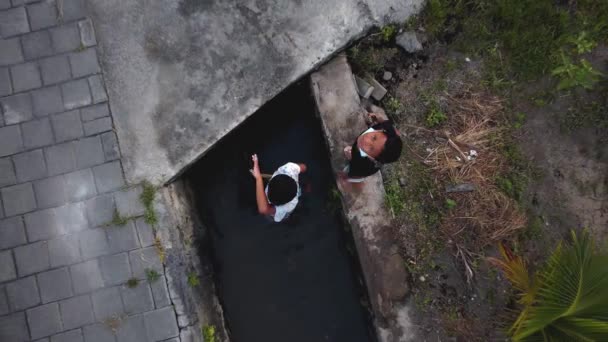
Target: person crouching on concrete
378, 145
282, 192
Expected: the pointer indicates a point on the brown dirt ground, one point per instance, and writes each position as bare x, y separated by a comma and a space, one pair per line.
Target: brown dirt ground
569, 190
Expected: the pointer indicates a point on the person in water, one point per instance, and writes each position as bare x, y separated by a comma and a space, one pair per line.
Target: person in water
378, 145
280, 197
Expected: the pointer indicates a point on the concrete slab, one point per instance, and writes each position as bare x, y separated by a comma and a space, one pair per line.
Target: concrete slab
182, 73
385, 275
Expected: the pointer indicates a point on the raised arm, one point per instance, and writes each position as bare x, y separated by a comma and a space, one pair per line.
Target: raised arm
264, 207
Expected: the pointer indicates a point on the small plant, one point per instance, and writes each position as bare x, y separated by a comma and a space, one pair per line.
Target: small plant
193, 280
394, 196
450, 203
208, 333
392, 105
435, 116
582, 43
520, 119
152, 275
566, 300
118, 220
132, 283
147, 198
572, 75
388, 32
160, 249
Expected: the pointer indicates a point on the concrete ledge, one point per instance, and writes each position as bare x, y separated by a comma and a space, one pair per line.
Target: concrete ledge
343, 119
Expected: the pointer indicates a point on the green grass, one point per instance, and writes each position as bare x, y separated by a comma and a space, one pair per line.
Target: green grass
369, 58
388, 32
147, 198
209, 333
132, 283
394, 196
435, 117
152, 275
118, 219
193, 279
391, 105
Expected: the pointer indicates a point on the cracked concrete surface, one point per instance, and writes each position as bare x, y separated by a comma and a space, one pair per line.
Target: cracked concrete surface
181, 74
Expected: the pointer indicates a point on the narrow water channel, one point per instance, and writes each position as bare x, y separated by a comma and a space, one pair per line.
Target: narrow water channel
287, 282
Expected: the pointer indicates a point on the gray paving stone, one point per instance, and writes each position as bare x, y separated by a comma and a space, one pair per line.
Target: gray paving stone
67, 126
80, 185
122, 238
46, 339
13, 22
115, 269
100, 210
94, 112
44, 320
5, 82
110, 146
23, 293
37, 44
98, 126
42, 15
142, 259
47, 101
84, 63
87, 33
175, 339
42, 225
7, 173
22, 2
4, 4
72, 217
17, 108
76, 312
133, 329
145, 232
26, 76
98, 333
12, 232
55, 69
107, 303
68, 336
30, 165
10, 51
55, 285
137, 299
65, 38
60, 158
89, 152
64, 250
93, 243
1, 209
32, 258
128, 202
160, 293
18, 199
14, 328
3, 302
50, 192
37, 133
10, 140
86, 276
161, 324
73, 10
76, 94
7, 266
98, 89
108, 177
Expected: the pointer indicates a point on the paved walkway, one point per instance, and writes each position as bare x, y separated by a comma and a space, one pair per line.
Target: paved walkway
63, 270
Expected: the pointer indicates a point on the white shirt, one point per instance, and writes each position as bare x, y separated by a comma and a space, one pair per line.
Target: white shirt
282, 211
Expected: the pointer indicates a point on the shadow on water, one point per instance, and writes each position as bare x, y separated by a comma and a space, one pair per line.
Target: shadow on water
285, 282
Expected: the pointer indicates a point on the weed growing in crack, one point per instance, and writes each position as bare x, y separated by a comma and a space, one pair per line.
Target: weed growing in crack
193, 279
132, 283
208, 332
118, 220
160, 249
147, 198
152, 275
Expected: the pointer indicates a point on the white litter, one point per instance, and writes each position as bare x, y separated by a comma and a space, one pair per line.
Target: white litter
468, 60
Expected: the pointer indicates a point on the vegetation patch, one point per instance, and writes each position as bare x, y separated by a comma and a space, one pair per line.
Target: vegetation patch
132, 283
209, 333
152, 275
193, 279
147, 198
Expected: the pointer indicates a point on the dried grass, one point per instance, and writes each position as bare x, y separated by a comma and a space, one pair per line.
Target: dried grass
486, 215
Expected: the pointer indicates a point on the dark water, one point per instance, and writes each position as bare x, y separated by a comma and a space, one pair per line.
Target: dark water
285, 282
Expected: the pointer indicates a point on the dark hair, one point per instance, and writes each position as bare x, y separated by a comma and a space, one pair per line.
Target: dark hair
281, 189
392, 148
